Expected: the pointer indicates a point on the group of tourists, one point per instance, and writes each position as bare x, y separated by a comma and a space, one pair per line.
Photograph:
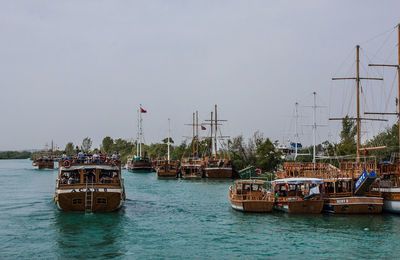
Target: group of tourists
95, 157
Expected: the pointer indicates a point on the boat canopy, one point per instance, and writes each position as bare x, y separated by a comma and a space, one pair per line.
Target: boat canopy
100, 167
258, 182
299, 181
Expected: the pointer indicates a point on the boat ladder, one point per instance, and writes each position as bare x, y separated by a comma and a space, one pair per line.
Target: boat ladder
89, 198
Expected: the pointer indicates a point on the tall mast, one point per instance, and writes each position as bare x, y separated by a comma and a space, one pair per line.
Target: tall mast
169, 135
211, 136
216, 130
137, 134
296, 135
197, 133
140, 131
314, 127
358, 118
193, 142
358, 102
398, 78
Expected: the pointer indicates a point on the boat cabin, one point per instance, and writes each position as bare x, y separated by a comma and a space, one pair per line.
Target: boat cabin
298, 188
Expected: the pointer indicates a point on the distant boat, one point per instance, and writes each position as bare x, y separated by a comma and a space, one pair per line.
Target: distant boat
89, 185
140, 163
44, 162
250, 196
167, 167
214, 166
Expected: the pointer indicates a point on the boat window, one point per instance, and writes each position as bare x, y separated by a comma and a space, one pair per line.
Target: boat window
70, 177
77, 201
89, 176
101, 201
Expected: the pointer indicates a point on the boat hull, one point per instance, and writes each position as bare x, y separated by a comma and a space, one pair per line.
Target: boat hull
218, 173
353, 205
164, 174
252, 205
103, 201
300, 206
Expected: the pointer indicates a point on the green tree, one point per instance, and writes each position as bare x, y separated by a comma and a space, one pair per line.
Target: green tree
107, 144
86, 144
347, 145
69, 148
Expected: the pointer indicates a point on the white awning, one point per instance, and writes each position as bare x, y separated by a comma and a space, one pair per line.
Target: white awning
298, 181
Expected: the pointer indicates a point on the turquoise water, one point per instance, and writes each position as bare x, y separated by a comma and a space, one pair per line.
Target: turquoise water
175, 219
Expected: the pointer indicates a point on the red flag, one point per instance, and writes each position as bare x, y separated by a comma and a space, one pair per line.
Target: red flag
142, 110
203, 128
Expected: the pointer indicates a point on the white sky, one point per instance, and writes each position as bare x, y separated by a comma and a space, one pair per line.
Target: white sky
71, 69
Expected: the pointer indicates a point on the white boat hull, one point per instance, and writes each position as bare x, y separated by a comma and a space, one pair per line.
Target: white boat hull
392, 206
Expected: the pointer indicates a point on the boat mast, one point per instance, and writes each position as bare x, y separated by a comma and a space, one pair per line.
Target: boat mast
169, 135
140, 131
193, 141
358, 118
215, 133
398, 78
296, 135
197, 133
137, 134
314, 127
211, 136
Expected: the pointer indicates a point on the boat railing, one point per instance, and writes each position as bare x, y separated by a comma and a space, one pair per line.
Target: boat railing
91, 160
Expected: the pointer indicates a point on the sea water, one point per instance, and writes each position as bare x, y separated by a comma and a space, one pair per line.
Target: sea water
170, 218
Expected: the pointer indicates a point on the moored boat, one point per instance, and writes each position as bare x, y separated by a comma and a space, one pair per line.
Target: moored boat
218, 169
191, 168
298, 195
89, 185
390, 185
250, 196
167, 168
339, 198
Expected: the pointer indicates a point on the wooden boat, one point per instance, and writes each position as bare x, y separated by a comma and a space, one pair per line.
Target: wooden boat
218, 169
298, 195
390, 171
140, 164
44, 162
167, 168
390, 185
250, 196
339, 198
89, 185
191, 168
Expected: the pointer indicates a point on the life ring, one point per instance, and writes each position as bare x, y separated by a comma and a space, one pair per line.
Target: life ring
67, 164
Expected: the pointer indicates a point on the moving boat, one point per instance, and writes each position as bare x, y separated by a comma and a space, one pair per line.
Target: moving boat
299, 195
89, 185
250, 196
140, 164
44, 162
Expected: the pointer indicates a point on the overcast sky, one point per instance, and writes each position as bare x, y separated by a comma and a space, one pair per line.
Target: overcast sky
71, 69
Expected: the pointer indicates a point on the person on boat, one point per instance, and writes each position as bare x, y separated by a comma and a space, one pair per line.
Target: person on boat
64, 156
70, 180
95, 157
118, 156
114, 155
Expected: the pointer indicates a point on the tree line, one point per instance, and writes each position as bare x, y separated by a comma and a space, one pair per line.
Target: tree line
257, 150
